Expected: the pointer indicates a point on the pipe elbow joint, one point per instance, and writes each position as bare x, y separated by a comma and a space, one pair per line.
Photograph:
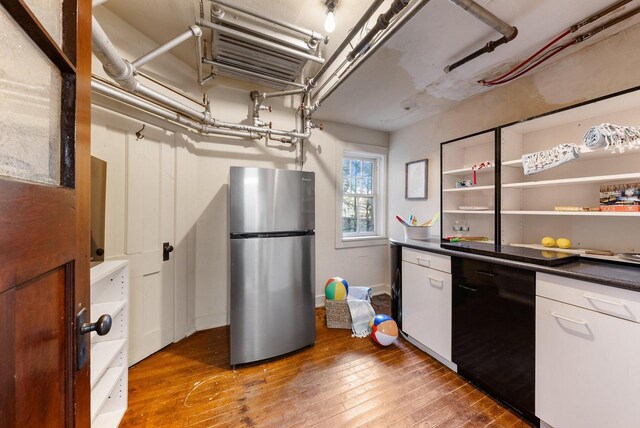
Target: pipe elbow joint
513, 34
197, 31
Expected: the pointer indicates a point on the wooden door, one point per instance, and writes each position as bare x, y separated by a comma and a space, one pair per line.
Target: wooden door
139, 221
45, 67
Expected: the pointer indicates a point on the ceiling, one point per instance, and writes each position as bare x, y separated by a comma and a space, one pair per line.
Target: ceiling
404, 81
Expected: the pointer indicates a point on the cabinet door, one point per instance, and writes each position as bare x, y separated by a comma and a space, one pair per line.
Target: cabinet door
426, 307
587, 371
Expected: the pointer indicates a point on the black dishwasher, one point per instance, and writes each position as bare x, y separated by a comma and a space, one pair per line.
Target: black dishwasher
494, 330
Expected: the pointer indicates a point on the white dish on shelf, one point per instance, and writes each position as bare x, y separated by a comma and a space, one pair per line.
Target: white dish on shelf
473, 208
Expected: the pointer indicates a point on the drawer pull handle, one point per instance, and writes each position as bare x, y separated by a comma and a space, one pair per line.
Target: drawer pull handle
598, 299
436, 280
467, 288
553, 314
484, 272
427, 261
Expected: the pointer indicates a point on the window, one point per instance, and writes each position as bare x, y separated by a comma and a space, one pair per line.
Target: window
359, 196
361, 209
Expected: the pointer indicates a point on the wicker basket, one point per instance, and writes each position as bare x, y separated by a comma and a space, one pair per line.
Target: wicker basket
338, 315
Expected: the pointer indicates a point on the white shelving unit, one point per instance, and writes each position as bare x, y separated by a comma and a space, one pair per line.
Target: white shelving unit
109, 371
458, 159
528, 202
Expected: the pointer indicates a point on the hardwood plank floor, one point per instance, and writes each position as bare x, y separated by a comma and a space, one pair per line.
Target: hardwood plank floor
339, 382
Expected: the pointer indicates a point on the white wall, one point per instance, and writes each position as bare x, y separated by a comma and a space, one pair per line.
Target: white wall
598, 70
201, 170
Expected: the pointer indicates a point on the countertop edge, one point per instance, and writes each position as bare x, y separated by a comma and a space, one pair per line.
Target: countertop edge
562, 270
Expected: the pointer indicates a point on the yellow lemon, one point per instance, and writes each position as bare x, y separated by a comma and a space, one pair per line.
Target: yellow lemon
548, 241
563, 243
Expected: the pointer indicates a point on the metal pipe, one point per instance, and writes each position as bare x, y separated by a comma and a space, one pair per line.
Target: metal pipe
489, 47
193, 31
598, 15
114, 64
361, 23
397, 24
314, 35
251, 73
508, 32
487, 17
120, 95
199, 56
266, 95
382, 23
259, 41
171, 88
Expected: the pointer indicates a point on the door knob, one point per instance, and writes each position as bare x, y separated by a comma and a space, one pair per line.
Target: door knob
102, 326
166, 249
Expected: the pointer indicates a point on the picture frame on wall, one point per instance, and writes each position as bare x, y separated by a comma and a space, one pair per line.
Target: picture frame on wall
416, 179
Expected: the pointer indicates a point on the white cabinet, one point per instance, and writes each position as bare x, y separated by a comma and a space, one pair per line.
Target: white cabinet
108, 374
587, 371
426, 307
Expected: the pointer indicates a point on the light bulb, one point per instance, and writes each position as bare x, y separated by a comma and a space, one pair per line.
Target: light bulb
330, 21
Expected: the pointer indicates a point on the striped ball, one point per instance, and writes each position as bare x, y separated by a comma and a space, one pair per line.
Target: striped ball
384, 329
336, 288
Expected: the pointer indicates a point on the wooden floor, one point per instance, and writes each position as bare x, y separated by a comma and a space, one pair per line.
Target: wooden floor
339, 382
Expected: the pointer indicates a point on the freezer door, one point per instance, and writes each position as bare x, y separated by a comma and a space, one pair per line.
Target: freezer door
271, 200
272, 296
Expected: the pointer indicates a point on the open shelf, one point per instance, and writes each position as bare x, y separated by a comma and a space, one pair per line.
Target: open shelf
491, 211
469, 189
468, 170
111, 308
585, 154
576, 180
575, 213
102, 355
103, 388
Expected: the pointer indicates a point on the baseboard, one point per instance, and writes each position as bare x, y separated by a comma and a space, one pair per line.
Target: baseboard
211, 321
377, 290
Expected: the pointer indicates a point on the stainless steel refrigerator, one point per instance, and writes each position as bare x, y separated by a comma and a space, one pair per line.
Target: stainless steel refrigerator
272, 231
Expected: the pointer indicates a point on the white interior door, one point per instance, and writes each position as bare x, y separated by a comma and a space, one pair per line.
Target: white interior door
139, 219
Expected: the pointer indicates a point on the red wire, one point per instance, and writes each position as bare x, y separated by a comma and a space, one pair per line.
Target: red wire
557, 51
525, 62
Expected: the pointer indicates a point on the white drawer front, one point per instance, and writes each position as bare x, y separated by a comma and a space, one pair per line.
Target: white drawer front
587, 371
431, 260
596, 297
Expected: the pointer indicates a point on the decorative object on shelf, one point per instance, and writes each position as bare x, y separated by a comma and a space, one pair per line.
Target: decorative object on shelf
533, 163
476, 168
612, 137
575, 209
620, 197
416, 179
463, 183
632, 257
473, 208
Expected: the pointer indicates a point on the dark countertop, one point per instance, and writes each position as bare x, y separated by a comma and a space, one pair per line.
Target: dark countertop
607, 273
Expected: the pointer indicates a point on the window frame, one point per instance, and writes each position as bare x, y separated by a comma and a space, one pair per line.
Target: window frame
363, 152
374, 195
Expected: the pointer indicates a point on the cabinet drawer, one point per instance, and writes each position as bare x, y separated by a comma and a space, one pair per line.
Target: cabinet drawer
596, 297
426, 307
587, 373
431, 260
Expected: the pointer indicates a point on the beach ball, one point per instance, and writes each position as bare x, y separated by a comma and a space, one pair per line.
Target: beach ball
336, 288
384, 329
